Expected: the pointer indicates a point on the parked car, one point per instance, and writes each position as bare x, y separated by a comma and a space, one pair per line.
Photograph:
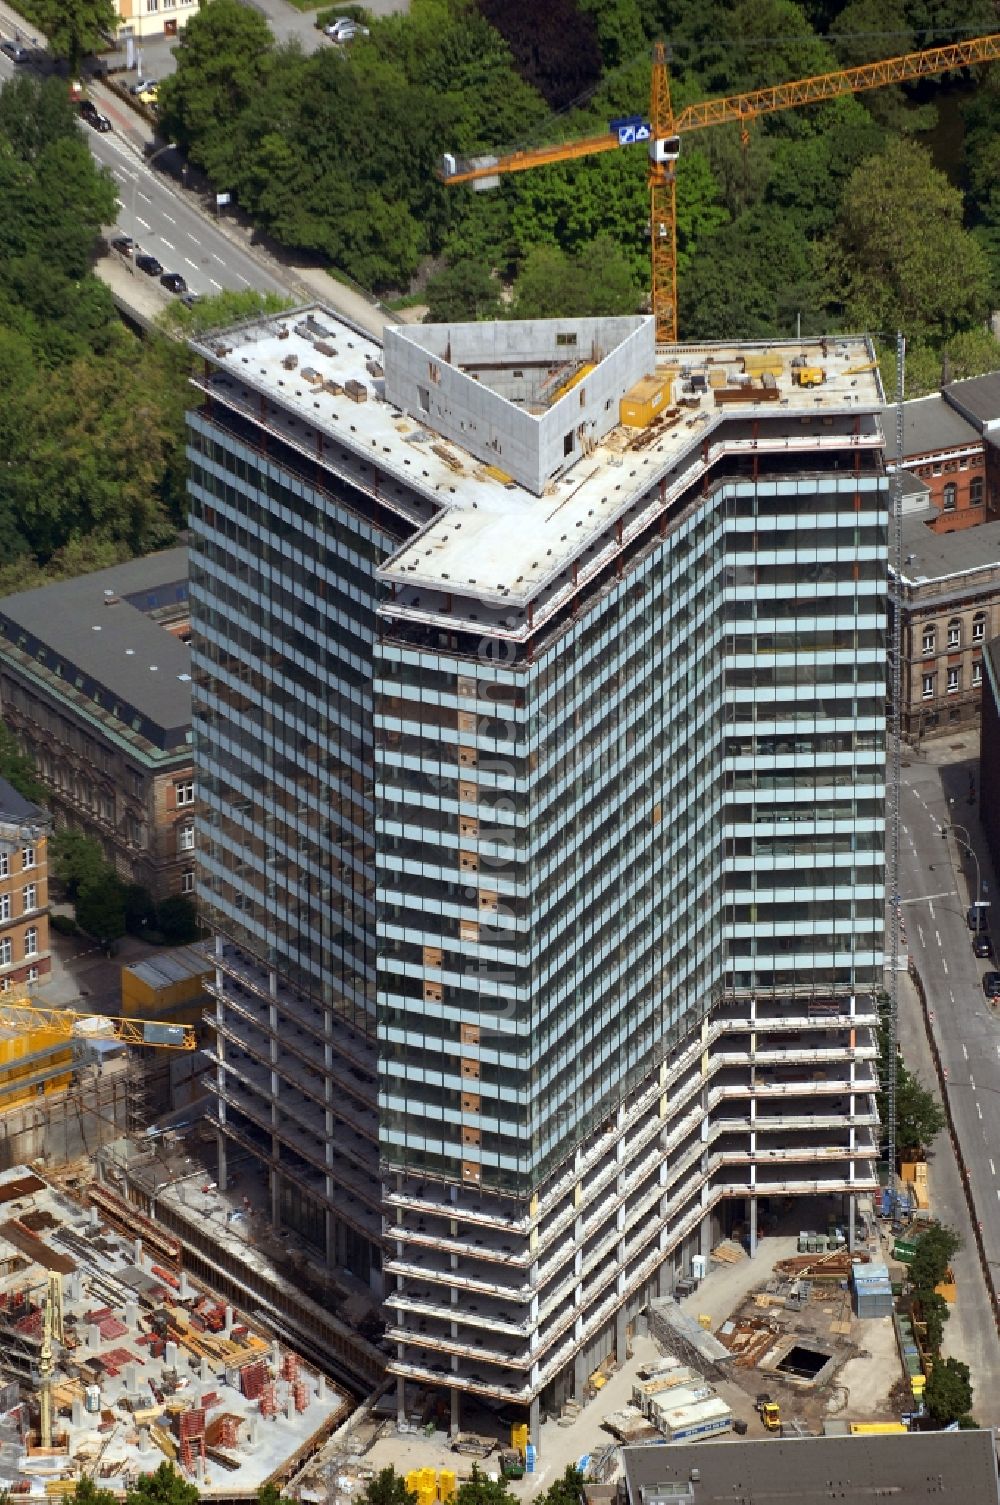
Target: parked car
174, 282
141, 85
149, 96
991, 984
93, 116
124, 245
982, 945
977, 917
345, 30
15, 51
148, 264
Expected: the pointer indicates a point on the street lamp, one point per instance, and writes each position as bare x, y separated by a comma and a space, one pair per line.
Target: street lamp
967, 844
168, 146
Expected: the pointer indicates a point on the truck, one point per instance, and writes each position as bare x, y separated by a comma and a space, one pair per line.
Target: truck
769, 1412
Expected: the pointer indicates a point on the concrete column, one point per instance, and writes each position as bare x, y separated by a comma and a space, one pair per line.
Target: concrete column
455, 1424
275, 1199
851, 1229
621, 1335
753, 1226
400, 1398
579, 1375
222, 1174
705, 1235
535, 1425
664, 1279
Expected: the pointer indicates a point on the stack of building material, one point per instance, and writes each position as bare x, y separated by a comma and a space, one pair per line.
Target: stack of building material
872, 1290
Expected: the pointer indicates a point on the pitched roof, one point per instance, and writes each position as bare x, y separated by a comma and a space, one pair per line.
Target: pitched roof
978, 397
930, 424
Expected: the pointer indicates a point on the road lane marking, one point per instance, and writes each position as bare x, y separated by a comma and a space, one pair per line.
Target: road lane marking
215, 284
195, 265
930, 910
951, 995
945, 966
220, 259
965, 1051
979, 1109
143, 223
194, 238
937, 934
167, 243
948, 893
245, 280
920, 932
144, 196
993, 1169
169, 218
972, 1082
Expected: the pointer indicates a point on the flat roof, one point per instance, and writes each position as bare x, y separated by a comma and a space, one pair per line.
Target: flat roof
98, 628
930, 424
910, 1466
933, 556
480, 535
977, 396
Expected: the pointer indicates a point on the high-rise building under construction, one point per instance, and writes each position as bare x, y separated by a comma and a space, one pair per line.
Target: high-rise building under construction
539, 716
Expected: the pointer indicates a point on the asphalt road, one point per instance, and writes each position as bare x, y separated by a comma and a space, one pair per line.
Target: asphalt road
937, 883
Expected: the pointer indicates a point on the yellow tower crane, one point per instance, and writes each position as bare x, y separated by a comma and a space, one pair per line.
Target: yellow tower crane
19, 1015
52, 1330
662, 134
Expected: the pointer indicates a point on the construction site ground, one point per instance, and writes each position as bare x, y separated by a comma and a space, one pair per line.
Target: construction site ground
858, 1390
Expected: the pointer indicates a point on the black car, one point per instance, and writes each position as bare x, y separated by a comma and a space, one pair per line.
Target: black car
93, 116
982, 945
148, 264
174, 282
15, 52
124, 245
991, 984
977, 917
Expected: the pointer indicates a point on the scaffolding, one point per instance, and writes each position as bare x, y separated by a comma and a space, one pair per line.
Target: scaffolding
889, 1067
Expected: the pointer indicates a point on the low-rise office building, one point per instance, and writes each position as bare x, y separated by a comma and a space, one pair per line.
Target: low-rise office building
24, 890
950, 604
95, 684
153, 18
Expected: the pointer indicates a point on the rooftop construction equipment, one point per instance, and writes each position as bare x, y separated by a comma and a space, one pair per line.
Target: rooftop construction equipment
662, 133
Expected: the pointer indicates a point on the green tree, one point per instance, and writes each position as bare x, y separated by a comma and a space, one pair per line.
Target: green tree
949, 1392
480, 1489
898, 239
464, 290
163, 1487
935, 1250
18, 769
270, 1494
229, 307
178, 920
86, 1492
76, 860
934, 1312
387, 1488
566, 1490
597, 280
919, 1114
100, 908
76, 27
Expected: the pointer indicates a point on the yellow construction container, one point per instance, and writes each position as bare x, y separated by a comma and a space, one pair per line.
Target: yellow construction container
877, 1428
948, 1288
34, 1063
412, 1481
448, 1484
756, 364
644, 402
172, 983
519, 1437
705, 1321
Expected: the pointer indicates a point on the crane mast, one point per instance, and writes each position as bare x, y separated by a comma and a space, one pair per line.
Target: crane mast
665, 130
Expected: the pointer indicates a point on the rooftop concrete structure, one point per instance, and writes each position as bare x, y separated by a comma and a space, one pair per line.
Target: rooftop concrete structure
147, 1365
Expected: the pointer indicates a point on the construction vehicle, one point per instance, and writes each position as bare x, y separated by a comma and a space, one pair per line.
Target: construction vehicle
511, 1464
805, 375
662, 133
769, 1412
18, 1015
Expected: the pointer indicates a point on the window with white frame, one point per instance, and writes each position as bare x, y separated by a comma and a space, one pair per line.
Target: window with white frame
4, 984
185, 838
6, 951
184, 792
976, 488
927, 691
4, 906
928, 640
30, 896
187, 883
4, 864
32, 974
955, 633
31, 941
950, 497
977, 672
954, 680
27, 857
979, 627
